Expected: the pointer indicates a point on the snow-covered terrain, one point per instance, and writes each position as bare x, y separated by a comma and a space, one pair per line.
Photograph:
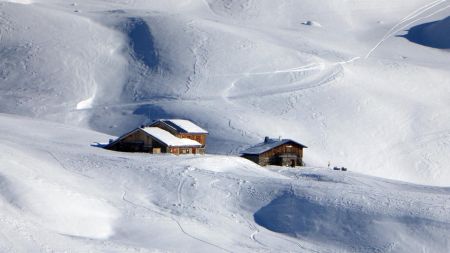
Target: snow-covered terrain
364, 84
58, 192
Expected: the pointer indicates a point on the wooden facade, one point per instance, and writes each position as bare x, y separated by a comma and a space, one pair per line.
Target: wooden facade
138, 141
281, 153
199, 137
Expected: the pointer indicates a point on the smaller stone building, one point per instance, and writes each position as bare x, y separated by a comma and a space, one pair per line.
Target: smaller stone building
281, 152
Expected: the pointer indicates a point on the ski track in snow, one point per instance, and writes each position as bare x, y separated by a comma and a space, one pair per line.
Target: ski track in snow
255, 232
183, 178
308, 67
321, 79
201, 59
415, 14
326, 79
61, 164
299, 86
213, 183
178, 223
26, 2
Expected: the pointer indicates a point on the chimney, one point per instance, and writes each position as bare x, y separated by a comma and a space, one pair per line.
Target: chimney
279, 138
266, 139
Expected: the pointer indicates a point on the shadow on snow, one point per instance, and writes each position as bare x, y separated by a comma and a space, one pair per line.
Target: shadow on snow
346, 227
434, 34
141, 42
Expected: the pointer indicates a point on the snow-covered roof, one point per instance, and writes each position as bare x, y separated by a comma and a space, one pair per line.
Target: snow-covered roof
184, 126
169, 139
267, 145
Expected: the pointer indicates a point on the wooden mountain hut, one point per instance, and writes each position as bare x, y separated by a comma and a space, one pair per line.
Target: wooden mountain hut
155, 140
281, 152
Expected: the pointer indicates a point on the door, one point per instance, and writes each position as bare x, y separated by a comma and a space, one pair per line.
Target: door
293, 163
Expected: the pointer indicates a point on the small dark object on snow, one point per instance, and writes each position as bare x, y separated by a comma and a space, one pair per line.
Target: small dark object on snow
336, 168
344, 169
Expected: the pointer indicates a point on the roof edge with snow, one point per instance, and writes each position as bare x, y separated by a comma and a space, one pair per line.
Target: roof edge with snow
263, 147
160, 135
182, 126
169, 139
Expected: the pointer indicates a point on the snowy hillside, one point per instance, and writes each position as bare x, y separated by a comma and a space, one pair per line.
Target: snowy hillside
364, 84
344, 77
58, 193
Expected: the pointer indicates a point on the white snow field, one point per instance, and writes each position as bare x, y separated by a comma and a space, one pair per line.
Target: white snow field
364, 84
59, 193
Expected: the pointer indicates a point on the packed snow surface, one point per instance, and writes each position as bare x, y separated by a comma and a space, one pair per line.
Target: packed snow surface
60, 192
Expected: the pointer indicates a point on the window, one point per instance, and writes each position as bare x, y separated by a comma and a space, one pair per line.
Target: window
185, 150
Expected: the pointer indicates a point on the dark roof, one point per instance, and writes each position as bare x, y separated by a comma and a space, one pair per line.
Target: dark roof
267, 145
182, 126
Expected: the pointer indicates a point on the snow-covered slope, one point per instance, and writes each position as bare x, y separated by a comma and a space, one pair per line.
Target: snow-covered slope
364, 84
51, 61
60, 192
339, 76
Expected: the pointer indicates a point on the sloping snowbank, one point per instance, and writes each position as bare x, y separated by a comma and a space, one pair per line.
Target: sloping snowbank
55, 62
58, 192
